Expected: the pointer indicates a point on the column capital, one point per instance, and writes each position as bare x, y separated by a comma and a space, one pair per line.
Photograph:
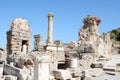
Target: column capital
50, 15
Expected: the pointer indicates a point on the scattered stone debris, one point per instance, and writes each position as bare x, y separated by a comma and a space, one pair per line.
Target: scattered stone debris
89, 58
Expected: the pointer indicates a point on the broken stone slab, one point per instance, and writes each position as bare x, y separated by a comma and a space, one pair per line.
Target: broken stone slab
76, 72
88, 78
10, 77
109, 70
62, 74
96, 65
95, 72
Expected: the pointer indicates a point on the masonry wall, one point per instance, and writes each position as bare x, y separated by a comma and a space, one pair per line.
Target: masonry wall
17, 36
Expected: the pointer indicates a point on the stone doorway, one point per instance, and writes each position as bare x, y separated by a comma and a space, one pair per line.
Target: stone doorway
24, 48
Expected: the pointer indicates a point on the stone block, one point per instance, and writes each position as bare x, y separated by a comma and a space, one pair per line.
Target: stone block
62, 74
10, 77
95, 72
96, 65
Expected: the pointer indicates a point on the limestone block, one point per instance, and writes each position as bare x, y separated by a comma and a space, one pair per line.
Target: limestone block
60, 48
76, 72
62, 74
51, 48
61, 56
10, 77
52, 78
95, 72
118, 67
117, 76
41, 68
74, 63
97, 65
89, 78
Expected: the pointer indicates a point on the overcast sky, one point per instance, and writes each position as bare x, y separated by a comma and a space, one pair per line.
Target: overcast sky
68, 16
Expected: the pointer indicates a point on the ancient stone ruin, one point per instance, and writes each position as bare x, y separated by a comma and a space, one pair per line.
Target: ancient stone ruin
38, 43
18, 37
88, 35
89, 58
89, 39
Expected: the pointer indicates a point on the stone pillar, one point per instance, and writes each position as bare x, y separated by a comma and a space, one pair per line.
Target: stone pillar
73, 63
24, 49
41, 68
50, 28
38, 43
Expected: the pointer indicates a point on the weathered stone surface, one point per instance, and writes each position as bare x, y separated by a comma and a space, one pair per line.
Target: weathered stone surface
38, 43
50, 28
18, 37
95, 72
41, 68
94, 46
73, 63
22, 74
89, 40
72, 44
88, 35
20, 23
85, 62
10, 77
62, 74
96, 65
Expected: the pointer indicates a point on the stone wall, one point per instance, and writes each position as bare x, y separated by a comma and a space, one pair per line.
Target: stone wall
17, 36
88, 34
89, 40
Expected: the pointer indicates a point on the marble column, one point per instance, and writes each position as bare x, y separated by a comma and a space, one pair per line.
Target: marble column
50, 28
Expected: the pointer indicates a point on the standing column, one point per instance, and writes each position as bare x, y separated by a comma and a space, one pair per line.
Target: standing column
50, 28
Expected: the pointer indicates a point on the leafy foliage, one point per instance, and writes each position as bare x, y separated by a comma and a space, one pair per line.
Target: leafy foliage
115, 34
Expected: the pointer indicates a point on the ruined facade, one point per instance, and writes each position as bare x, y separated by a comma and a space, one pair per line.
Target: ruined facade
18, 37
88, 34
89, 39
